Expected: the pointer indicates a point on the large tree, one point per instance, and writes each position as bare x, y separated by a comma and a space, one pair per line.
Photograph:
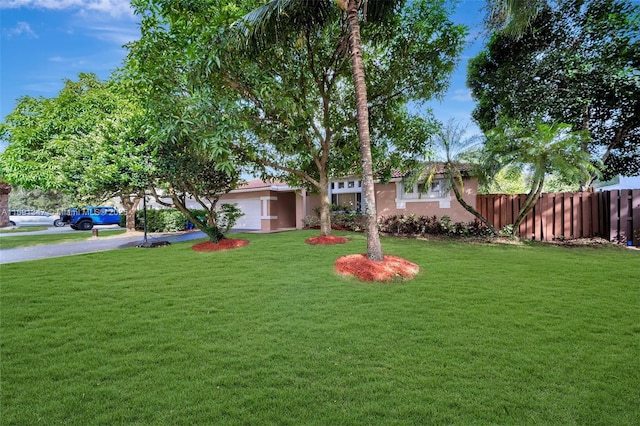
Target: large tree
187, 173
191, 127
576, 63
388, 26
84, 142
291, 91
299, 90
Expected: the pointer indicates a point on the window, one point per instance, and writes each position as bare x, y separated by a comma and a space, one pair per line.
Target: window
352, 202
418, 191
347, 194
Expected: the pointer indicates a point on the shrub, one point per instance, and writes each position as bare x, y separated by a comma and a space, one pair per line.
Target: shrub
165, 220
349, 221
345, 221
416, 226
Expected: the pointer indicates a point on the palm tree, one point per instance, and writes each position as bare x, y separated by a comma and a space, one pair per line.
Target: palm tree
269, 20
512, 16
454, 153
542, 149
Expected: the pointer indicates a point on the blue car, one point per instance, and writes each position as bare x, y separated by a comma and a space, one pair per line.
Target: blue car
86, 218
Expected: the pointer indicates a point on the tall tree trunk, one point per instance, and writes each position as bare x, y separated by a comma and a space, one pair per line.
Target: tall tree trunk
467, 207
130, 208
529, 203
5, 189
374, 248
325, 206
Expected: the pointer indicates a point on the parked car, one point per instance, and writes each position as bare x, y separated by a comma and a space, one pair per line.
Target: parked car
86, 218
30, 217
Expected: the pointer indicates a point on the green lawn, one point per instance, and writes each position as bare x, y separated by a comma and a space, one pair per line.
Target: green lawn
21, 229
33, 240
269, 334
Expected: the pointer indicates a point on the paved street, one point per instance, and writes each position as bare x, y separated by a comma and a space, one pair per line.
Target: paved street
21, 254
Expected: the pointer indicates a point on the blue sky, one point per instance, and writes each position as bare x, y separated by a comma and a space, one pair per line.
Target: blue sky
44, 42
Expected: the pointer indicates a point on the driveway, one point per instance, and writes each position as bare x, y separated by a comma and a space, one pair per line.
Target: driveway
91, 245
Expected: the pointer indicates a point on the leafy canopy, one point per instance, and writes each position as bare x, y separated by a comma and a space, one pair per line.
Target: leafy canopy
578, 63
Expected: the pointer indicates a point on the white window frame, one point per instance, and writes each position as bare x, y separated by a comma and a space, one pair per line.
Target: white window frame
436, 193
347, 186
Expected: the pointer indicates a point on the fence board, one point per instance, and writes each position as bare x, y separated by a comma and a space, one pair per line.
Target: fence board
595, 217
585, 210
557, 215
625, 217
546, 217
614, 215
635, 217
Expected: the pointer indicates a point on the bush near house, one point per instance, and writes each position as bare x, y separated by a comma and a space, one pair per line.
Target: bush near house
403, 225
416, 226
342, 221
166, 220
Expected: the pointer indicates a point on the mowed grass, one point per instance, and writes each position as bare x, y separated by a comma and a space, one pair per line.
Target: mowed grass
269, 334
34, 240
23, 229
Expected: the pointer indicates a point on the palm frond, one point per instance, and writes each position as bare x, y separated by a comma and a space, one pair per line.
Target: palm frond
267, 23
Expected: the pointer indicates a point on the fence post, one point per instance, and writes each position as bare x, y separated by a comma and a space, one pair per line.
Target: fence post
635, 216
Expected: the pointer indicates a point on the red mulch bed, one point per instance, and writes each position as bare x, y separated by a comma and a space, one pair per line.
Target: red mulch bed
392, 268
326, 240
224, 244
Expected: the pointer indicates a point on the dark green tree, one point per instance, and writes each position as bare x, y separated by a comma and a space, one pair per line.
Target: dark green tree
577, 63
291, 89
408, 50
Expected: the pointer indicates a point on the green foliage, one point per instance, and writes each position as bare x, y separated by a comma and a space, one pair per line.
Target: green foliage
541, 148
577, 63
513, 180
36, 199
286, 109
422, 226
162, 220
86, 142
227, 217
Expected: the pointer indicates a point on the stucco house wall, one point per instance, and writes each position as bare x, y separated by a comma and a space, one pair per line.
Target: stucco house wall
388, 202
270, 207
267, 207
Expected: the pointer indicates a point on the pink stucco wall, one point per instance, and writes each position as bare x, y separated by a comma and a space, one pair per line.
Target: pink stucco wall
285, 210
386, 203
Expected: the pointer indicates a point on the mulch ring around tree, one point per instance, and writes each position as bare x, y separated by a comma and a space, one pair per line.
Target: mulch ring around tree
391, 269
224, 244
325, 240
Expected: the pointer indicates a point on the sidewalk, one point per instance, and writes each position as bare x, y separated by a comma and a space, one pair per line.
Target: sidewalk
92, 245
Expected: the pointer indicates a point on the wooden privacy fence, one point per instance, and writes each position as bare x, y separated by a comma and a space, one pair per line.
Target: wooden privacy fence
614, 215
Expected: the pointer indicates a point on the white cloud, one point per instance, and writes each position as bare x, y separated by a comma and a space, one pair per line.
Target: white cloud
21, 28
115, 34
462, 95
114, 8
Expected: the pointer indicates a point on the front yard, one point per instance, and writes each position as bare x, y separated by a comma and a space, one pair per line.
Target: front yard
269, 334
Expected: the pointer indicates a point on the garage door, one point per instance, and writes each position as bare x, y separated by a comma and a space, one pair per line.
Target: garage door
251, 210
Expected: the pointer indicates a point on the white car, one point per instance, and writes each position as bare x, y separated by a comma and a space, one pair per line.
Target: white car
32, 218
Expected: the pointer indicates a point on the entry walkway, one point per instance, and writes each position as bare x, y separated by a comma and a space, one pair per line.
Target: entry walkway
91, 245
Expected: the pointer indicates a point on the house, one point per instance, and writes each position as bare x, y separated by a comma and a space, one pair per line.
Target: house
273, 206
268, 206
